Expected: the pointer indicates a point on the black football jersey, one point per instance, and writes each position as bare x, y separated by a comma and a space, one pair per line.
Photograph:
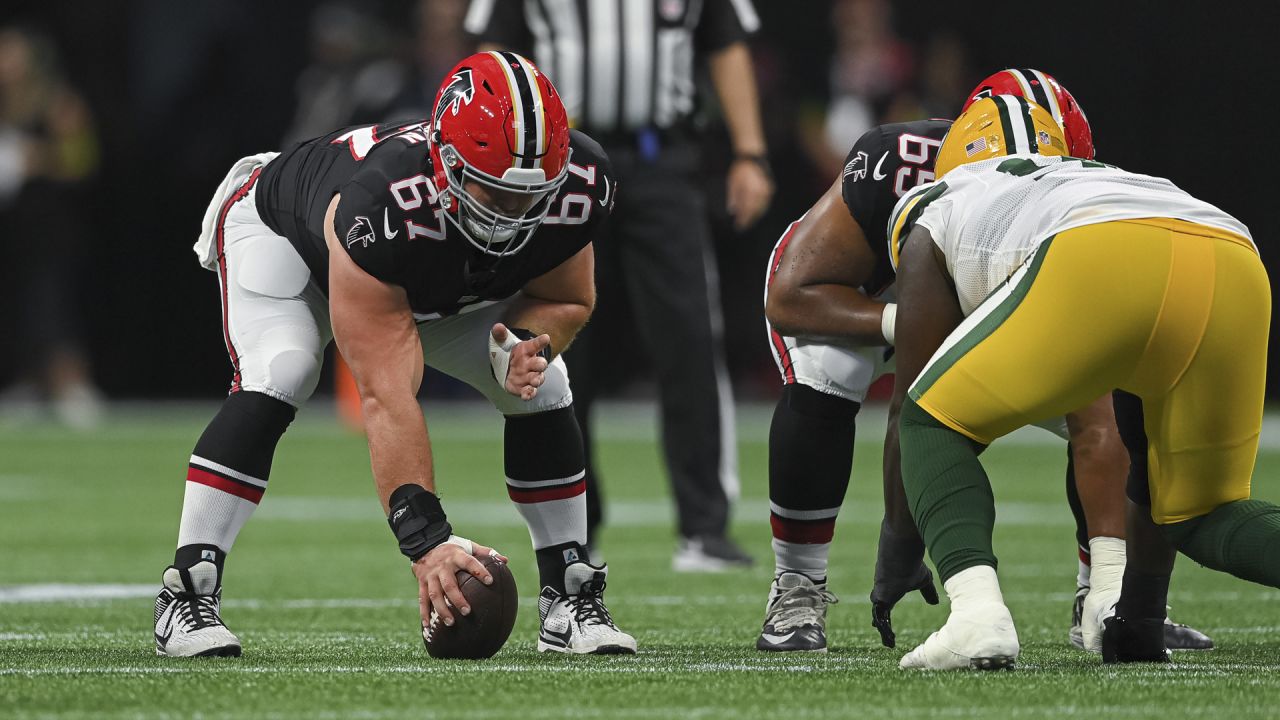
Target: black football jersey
885, 163
391, 226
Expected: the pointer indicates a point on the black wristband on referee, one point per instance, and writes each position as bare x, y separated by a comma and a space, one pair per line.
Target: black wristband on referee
418, 520
759, 159
525, 334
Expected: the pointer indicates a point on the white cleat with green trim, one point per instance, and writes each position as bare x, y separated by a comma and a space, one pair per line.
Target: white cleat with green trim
978, 638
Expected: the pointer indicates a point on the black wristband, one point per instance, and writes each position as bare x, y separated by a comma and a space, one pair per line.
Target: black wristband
525, 334
759, 159
418, 520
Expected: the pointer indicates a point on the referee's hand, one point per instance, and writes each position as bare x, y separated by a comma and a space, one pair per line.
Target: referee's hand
749, 191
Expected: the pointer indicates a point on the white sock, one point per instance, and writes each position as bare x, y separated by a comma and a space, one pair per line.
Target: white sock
216, 504
973, 587
1107, 566
1082, 574
555, 511
808, 559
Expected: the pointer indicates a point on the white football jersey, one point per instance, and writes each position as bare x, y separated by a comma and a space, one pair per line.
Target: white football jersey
988, 217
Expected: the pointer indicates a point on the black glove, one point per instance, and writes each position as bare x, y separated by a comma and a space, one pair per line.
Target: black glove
900, 569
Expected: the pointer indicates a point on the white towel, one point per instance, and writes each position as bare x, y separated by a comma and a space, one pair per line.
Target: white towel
205, 248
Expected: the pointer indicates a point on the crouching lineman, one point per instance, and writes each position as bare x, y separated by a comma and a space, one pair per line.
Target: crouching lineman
1030, 283
464, 241
830, 319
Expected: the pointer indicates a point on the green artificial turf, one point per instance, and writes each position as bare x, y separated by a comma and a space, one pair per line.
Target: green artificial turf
327, 609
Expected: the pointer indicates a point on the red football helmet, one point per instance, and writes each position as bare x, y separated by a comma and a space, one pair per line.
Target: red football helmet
498, 123
1041, 89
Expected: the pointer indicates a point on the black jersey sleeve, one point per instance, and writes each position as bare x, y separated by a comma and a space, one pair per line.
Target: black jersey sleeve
883, 165
358, 225
725, 22
590, 176
865, 182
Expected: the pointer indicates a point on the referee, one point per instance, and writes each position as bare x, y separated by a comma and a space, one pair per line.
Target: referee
626, 70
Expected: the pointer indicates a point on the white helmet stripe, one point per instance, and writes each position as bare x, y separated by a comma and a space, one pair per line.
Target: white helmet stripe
538, 111
516, 105
1050, 96
1015, 109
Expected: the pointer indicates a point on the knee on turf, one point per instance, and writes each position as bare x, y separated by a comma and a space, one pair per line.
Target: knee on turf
1241, 537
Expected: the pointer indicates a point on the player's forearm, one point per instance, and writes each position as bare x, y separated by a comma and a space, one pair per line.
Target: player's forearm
399, 448
835, 313
561, 320
736, 87
897, 513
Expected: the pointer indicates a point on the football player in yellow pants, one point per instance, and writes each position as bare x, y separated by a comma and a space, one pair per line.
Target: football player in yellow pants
1031, 284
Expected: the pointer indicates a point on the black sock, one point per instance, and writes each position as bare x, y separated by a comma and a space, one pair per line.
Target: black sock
189, 555
810, 451
553, 560
1143, 596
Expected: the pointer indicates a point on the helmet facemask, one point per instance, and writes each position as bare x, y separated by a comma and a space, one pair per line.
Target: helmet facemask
489, 230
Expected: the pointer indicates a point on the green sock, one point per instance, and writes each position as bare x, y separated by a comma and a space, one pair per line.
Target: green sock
1241, 538
948, 492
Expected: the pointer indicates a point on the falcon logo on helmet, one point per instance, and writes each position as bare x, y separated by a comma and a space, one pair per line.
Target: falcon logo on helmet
1043, 90
500, 150
457, 92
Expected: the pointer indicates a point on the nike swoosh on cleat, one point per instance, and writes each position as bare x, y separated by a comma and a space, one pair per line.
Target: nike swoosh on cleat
777, 639
875, 174
558, 638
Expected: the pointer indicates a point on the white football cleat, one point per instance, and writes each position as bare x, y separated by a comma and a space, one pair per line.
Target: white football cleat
188, 623
578, 622
979, 638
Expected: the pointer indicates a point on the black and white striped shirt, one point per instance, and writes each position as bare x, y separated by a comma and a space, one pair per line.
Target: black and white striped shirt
619, 65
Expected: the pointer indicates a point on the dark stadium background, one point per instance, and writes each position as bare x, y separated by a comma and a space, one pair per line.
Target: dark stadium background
1170, 89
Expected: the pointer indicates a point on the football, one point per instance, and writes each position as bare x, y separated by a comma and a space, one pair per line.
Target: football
485, 630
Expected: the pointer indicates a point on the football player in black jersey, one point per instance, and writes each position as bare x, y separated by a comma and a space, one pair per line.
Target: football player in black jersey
830, 312
463, 241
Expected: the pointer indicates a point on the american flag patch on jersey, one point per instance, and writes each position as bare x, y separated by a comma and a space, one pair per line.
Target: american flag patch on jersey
975, 147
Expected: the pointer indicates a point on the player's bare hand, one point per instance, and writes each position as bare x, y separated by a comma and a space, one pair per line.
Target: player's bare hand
748, 191
437, 577
525, 367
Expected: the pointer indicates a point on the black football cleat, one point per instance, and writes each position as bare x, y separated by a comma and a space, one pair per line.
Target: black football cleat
1184, 637
1130, 641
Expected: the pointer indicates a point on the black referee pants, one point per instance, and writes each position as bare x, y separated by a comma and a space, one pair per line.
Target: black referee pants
657, 253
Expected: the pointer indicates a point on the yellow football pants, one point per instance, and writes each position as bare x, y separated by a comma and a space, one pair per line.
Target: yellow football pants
1175, 313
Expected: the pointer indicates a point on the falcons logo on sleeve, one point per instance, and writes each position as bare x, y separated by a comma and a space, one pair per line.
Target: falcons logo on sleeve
361, 232
857, 167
